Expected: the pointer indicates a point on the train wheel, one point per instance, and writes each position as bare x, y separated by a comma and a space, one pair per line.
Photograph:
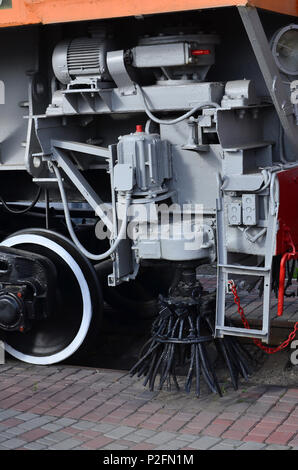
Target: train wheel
79, 305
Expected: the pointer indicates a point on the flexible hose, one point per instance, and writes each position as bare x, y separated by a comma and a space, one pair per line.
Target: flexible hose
208, 104
71, 230
21, 211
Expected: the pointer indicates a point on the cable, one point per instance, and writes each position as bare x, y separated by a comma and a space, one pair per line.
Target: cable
256, 237
71, 230
147, 126
267, 179
208, 104
22, 211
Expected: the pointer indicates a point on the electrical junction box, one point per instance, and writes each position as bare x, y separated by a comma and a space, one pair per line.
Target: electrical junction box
249, 209
235, 213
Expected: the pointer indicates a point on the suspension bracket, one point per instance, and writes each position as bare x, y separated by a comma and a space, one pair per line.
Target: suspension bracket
27, 289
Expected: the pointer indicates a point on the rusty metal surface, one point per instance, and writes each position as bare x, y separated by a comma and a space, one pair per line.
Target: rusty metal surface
22, 12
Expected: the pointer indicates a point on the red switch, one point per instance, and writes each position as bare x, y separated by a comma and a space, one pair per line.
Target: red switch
139, 128
197, 52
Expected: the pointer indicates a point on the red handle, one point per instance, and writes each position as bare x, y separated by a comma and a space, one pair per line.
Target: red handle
282, 276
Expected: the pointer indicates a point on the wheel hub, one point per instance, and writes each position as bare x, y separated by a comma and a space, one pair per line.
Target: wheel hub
27, 289
11, 312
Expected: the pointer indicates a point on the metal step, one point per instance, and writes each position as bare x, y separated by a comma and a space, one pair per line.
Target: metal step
248, 270
243, 332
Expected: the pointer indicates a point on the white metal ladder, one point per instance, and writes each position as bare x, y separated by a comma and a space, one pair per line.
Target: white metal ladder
224, 270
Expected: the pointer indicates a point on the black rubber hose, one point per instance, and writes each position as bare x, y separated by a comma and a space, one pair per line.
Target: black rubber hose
22, 211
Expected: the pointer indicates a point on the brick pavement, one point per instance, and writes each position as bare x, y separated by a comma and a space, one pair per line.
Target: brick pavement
64, 407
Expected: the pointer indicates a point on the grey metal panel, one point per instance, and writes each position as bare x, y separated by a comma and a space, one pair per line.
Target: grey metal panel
194, 173
243, 182
242, 127
18, 55
166, 55
194, 176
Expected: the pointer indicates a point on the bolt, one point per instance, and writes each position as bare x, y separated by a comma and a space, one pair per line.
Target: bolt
36, 162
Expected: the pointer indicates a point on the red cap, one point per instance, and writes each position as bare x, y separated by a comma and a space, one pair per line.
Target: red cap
139, 128
200, 52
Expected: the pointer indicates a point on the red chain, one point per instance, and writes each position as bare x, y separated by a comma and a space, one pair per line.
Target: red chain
259, 343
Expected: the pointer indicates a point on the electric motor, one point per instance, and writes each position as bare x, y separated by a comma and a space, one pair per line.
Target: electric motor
150, 158
81, 57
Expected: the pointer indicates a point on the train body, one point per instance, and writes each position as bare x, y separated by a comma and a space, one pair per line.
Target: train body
142, 140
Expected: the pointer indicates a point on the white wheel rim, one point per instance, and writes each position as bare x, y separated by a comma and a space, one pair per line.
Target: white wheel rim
86, 299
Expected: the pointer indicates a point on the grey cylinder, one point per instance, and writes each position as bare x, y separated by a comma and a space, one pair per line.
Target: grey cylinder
80, 57
151, 159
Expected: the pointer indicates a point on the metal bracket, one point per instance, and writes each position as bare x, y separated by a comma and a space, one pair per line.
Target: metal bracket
59, 155
118, 72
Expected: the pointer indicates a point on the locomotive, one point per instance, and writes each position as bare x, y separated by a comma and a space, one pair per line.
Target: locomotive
138, 143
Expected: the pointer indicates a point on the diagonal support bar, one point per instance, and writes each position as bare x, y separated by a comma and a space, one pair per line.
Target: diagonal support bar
93, 150
82, 185
279, 91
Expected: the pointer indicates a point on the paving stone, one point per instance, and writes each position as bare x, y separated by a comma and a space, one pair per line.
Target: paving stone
35, 446
52, 427
204, 443
232, 442
135, 437
3, 438
13, 443
5, 414
27, 416
276, 447
114, 446
227, 444
67, 444
36, 422
83, 425
252, 446
174, 444
16, 431
57, 436
44, 441
140, 435
187, 437
119, 432
98, 443
145, 432
222, 446
65, 421
103, 427
161, 437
